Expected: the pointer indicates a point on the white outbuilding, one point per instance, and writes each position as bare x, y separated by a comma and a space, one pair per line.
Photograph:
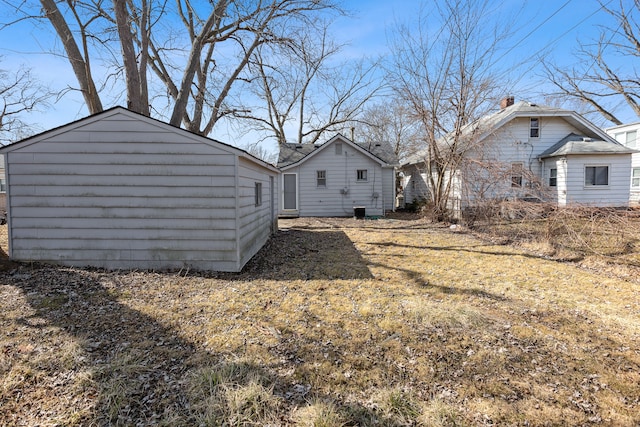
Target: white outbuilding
119, 190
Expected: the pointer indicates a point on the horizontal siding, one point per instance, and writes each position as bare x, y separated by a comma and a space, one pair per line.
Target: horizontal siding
141, 213
614, 194
340, 174
149, 142
255, 222
139, 197
125, 191
221, 201
124, 223
129, 259
168, 234
511, 143
131, 170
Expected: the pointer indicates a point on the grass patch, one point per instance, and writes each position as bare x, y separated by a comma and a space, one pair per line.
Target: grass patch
412, 325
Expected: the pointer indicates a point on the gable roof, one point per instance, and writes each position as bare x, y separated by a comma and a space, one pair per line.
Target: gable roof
488, 124
578, 144
135, 116
293, 154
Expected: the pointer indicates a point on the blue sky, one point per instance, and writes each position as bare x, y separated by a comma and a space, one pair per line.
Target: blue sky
539, 26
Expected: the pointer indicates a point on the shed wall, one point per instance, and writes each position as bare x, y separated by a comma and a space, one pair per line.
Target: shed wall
257, 222
139, 196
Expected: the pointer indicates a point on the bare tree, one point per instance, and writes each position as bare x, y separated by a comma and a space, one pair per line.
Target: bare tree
193, 55
598, 81
392, 122
305, 93
20, 94
443, 68
77, 51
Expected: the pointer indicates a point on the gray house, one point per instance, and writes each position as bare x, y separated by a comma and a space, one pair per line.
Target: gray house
337, 178
120, 190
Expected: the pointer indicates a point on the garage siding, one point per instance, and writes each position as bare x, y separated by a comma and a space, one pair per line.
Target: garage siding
144, 196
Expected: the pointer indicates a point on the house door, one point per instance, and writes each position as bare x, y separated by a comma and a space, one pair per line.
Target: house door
290, 191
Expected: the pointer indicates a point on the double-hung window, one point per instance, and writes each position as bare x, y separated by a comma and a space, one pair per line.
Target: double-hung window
635, 178
321, 178
534, 127
596, 175
553, 177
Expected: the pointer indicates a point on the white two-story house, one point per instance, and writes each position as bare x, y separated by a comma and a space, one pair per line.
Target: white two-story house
527, 150
628, 135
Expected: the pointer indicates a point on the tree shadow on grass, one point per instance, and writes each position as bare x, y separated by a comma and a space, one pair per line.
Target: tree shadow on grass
416, 278
296, 254
474, 249
129, 368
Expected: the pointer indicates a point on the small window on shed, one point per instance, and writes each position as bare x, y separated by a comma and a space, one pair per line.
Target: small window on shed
361, 175
338, 148
553, 177
534, 129
321, 178
258, 193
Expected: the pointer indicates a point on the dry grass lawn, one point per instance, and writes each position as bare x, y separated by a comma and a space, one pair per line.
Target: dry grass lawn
337, 322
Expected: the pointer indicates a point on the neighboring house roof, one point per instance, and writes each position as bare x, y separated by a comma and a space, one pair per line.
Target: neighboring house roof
136, 116
488, 124
578, 144
292, 154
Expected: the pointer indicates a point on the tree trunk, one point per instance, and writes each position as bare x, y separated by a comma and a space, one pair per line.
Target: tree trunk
80, 64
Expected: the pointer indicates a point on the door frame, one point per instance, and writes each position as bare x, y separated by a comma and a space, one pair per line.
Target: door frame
284, 174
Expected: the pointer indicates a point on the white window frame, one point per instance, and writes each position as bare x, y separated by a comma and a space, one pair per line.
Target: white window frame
258, 193
362, 175
595, 184
321, 178
635, 178
553, 177
631, 143
534, 131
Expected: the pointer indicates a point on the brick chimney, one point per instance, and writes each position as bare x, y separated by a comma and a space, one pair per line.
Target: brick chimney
506, 102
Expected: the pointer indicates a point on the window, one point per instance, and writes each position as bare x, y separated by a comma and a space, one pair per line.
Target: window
534, 128
338, 148
630, 140
258, 193
553, 177
635, 177
516, 174
321, 178
596, 175
3, 186
361, 175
